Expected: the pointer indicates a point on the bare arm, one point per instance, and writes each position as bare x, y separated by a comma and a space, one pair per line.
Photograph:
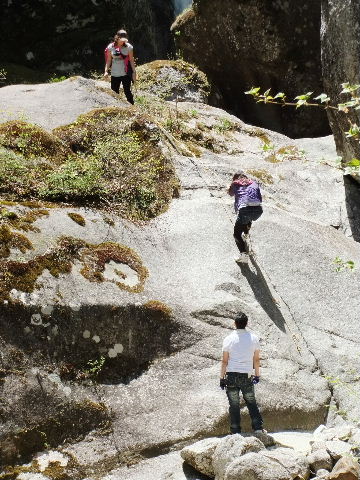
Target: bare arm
108, 64
132, 62
256, 362
224, 363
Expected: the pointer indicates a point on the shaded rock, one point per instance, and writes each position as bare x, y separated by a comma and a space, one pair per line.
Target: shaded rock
279, 47
320, 459
278, 464
54, 29
55, 413
339, 37
347, 468
338, 448
229, 449
200, 454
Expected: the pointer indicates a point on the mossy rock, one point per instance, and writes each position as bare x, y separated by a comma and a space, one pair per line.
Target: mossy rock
62, 422
32, 141
129, 167
173, 80
109, 155
23, 276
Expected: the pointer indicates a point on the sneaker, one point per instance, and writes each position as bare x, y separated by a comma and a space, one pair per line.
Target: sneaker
243, 258
264, 437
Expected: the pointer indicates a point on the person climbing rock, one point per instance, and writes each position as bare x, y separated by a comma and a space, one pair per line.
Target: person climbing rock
240, 358
120, 58
248, 207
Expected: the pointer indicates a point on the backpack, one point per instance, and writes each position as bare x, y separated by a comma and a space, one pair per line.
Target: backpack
128, 67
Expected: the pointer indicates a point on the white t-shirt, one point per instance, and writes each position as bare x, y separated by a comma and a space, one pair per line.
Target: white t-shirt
241, 345
118, 64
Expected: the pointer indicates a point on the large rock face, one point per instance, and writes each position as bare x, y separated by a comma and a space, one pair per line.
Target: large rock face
341, 63
250, 43
65, 38
85, 328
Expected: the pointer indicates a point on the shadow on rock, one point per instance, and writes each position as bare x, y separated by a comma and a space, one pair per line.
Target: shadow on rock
113, 344
352, 193
191, 474
263, 294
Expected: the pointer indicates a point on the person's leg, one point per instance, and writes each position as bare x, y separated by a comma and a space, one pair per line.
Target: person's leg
247, 389
127, 89
115, 84
234, 409
239, 229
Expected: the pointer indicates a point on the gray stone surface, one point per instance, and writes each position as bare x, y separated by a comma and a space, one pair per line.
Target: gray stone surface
52, 104
278, 464
320, 460
230, 448
338, 449
200, 455
299, 305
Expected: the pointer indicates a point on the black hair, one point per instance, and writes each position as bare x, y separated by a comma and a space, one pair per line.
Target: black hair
241, 320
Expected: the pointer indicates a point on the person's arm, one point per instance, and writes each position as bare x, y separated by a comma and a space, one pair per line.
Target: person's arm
108, 64
224, 363
132, 63
256, 363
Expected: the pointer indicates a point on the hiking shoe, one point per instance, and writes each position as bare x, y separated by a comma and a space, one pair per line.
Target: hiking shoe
243, 258
264, 437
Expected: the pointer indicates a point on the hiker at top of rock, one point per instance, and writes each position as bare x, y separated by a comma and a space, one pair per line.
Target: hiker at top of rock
248, 207
120, 59
240, 359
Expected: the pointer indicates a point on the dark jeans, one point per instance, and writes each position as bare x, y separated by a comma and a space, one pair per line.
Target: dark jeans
245, 217
240, 382
126, 81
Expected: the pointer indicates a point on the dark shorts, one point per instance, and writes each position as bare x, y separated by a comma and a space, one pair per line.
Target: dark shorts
249, 214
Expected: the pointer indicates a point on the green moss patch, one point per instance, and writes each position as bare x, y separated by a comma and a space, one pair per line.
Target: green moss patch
23, 276
77, 218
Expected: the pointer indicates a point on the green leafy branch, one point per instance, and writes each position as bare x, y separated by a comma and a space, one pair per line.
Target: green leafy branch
321, 101
343, 265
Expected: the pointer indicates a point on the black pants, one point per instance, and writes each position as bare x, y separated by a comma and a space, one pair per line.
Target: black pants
243, 223
239, 382
126, 81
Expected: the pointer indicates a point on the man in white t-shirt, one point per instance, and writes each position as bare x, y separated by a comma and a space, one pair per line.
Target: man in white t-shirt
241, 356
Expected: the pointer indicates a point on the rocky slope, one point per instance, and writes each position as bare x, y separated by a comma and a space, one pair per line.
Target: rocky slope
126, 331
249, 43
